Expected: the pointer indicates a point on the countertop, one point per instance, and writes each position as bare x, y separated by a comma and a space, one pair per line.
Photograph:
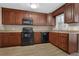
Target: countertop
21, 31
67, 31
10, 31
59, 31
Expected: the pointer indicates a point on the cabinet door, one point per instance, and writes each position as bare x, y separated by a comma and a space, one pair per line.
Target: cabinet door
53, 38
5, 39
26, 15
37, 37
14, 39
11, 39
51, 20
50, 37
63, 41
35, 18
69, 18
43, 19
73, 43
0, 39
8, 16
19, 16
39, 19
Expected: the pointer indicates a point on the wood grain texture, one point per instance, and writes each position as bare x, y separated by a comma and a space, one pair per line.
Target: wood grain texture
37, 37
65, 41
15, 17
10, 39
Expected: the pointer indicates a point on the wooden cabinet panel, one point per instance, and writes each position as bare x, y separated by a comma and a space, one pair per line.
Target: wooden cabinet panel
65, 41
10, 39
14, 39
69, 13
59, 39
35, 18
11, 16
15, 17
27, 15
73, 43
5, 39
8, 16
19, 16
43, 19
37, 37
51, 20
0, 40
39, 18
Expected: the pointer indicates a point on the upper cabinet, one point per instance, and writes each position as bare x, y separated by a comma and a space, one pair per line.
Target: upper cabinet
11, 16
19, 15
51, 20
15, 17
8, 16
71, 12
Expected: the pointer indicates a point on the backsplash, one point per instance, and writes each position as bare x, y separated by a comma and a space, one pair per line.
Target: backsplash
74, 26
19, 28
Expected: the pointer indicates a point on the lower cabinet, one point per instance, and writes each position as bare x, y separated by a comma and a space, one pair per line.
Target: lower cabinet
37, 37
10, 39
65, 41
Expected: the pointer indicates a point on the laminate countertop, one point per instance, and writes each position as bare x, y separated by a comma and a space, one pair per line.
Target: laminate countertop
10, 31
59, 31
66, 31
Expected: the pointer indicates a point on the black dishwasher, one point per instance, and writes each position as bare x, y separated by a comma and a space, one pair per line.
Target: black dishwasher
44, 37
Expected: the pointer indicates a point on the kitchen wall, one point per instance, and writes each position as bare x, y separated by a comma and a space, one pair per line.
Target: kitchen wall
37, 28
19, 27
70, 27
60, 25
74, 26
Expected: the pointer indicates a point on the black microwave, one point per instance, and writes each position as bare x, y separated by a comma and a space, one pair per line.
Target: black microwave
27, 22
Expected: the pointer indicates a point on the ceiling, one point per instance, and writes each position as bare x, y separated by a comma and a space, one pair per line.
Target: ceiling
43, 7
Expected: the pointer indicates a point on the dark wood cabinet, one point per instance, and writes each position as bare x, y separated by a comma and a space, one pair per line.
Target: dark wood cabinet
69, 9
15, 17
27, 14
51, 20
8, 16
0, 40
19, 15
37, 37
35, 18
11, 16
39, 18
10, 39
42, 19
73, 43
71, 13
65, 41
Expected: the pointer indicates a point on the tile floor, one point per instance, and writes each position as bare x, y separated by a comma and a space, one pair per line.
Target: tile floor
46, 49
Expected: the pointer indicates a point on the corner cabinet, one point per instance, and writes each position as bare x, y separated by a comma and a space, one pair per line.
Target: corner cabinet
71, 12
51, 20
65, 41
